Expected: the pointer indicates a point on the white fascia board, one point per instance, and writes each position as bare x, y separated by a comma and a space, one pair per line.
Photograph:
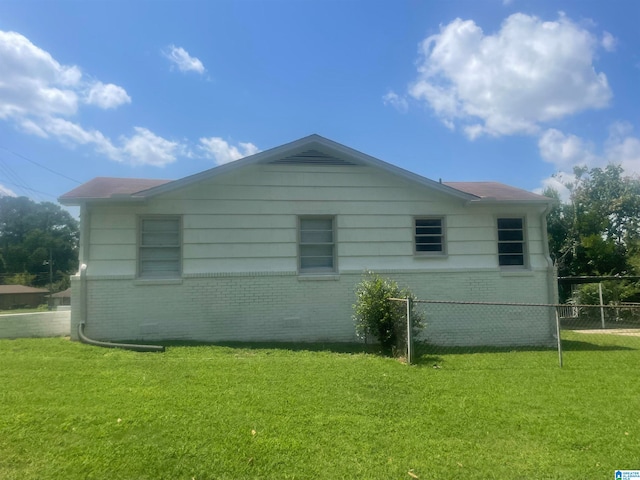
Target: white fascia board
298, 146
493, 201
119, 199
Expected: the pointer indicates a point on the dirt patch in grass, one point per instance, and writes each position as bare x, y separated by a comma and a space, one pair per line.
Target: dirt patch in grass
630, 332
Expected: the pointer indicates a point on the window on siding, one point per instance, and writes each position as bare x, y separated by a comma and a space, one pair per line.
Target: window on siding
429, 235
316, 243
159, 252
511, 242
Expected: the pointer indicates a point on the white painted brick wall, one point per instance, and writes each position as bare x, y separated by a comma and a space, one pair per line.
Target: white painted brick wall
40, 324
263, 307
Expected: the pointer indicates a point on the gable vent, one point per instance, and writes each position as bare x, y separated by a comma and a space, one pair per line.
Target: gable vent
312, 157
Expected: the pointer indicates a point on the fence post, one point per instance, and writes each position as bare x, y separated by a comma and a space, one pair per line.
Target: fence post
558, 337
601, 304
409, 333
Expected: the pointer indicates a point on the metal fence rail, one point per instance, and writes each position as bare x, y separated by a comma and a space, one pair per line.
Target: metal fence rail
470, 327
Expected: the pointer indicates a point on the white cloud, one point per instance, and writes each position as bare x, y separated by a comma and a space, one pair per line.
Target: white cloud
511, 82
565, 151
146, 148
42, 97
35, 85
185, 62
107, 95
6, 192
609, 42
222, 152
623, 147
558, 182
396, 101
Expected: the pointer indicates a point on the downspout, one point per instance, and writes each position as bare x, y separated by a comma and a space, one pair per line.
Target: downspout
552, 283
84, 258
85, 228
551, 268
126, 346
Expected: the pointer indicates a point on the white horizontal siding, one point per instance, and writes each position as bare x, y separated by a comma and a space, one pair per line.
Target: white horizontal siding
239, 220
314, 193
376, 235
235, 265
113, 252
247, 222
116, 236
239, 235
241, 251
294, 206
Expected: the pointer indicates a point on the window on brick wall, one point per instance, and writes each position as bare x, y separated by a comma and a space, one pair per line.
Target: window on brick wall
316, 244
511, 242
429, 236
159, 252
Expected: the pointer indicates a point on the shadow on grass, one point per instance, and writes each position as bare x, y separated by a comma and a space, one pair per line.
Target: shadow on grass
427, 349
351, 348
427, 355
579, 346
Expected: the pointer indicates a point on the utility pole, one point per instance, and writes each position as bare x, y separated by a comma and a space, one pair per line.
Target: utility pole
50, 279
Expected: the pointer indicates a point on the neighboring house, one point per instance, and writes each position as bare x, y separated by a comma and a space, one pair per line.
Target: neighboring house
19, 296
62, 298
271, 247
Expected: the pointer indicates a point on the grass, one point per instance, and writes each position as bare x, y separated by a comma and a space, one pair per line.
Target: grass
71, 411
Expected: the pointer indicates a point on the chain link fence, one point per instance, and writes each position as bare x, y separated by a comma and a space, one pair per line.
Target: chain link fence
454, 328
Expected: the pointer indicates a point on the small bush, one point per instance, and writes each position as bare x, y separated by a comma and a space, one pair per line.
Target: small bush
375, 315
613, 292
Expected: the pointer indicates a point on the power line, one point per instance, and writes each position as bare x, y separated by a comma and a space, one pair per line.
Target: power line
23, 187
12, 176
40, 165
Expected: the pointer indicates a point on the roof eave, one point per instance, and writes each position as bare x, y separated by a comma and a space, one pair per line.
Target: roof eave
495, 201
79, 201
308, 142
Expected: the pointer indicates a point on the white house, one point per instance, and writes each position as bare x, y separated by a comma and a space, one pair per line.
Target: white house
271, 247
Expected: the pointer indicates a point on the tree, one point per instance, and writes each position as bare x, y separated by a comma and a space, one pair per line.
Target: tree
375, 314
598, 231
33, 233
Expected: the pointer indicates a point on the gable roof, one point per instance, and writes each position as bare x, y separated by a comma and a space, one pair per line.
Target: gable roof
496, 191
110, 187
63, 294
18, 289
311, 150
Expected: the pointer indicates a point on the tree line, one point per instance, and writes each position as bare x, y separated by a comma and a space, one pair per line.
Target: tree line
38, 243
597, 232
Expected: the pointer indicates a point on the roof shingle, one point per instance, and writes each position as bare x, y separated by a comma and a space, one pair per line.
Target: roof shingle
15, 289
497, 191
108, 187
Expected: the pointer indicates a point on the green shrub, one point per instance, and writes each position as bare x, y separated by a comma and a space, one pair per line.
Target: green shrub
613, 292
375, 315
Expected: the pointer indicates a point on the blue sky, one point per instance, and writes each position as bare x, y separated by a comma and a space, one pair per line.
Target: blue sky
511, 91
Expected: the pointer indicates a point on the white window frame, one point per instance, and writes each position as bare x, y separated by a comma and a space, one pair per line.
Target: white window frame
523, 242
442, 235
172, 273
301, 244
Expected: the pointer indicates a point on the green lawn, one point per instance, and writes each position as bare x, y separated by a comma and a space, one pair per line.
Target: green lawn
71, 411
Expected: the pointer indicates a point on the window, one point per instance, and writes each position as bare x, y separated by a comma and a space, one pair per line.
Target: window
316, 245
511, 242
429, 235
159, 247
